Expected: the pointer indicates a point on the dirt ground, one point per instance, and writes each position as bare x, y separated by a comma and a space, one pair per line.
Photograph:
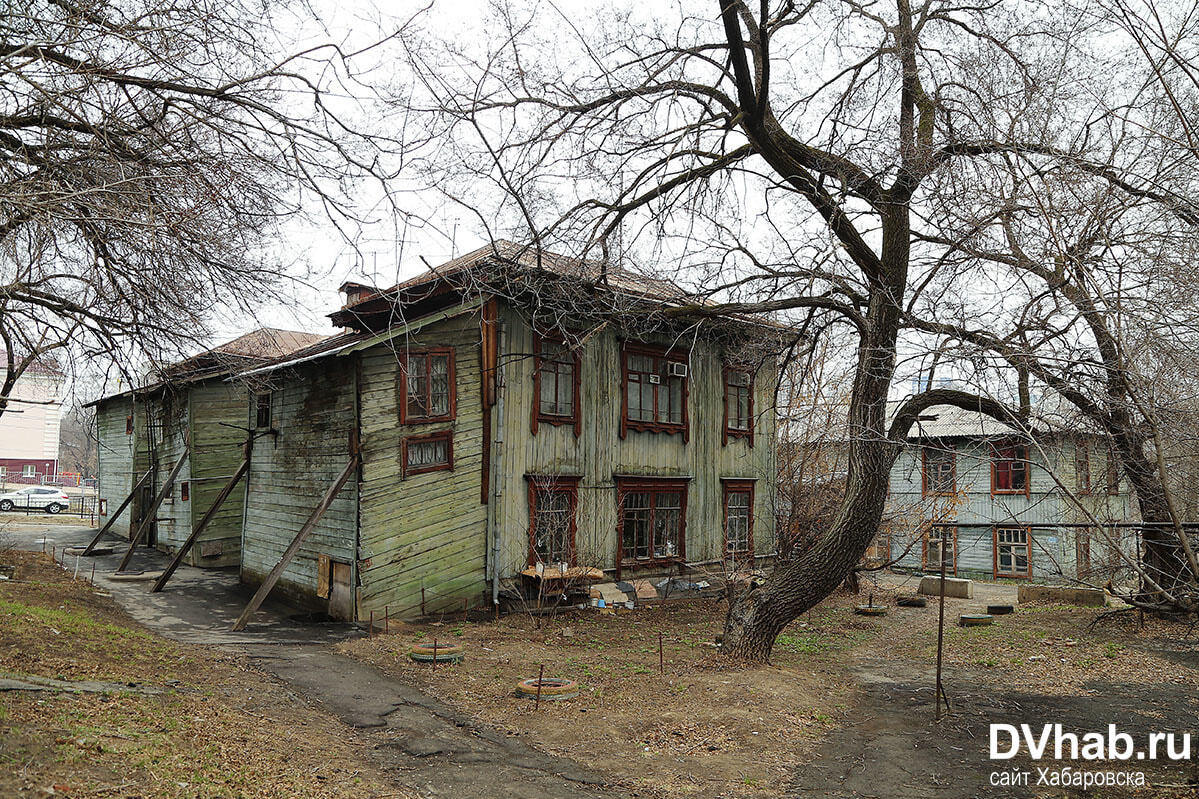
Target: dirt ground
217, 729
844, 709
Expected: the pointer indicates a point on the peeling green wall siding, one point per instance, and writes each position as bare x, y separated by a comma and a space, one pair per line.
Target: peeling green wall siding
115, 459
599, 454
428, 530
219, 414
313, 409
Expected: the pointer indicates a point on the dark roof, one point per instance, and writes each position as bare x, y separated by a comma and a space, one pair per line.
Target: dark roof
258, 346
486, 263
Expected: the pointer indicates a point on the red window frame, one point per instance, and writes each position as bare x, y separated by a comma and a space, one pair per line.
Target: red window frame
995, 550
1001, 463
539, 417
626, 486
952, 567
557, 484
1082, 467
129, 425
731, 487
661, 357
440, 435
735, 432
926, 488
425, 356
184, 491
1111, 474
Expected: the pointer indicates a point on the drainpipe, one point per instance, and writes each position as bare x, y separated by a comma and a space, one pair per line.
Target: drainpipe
497, 471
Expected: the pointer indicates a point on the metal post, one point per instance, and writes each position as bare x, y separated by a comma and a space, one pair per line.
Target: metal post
940, 693
434, 654
370, 631
387, 618
661, 657
540, 678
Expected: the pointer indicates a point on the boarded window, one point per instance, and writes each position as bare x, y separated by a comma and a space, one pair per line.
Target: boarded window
262, 411
552, 504
655, 391
652, 520
129, 425
556, 378
738, 518
939, 464
427, 386
738, 403
1013, 552
184, 491
429, 453
1009, 468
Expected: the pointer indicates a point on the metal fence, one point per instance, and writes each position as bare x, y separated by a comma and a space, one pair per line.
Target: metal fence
82, 506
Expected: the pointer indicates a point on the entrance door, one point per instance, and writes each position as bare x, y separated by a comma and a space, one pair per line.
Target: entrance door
145, 499
341, 592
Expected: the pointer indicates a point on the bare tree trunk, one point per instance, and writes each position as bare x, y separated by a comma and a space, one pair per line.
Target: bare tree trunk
759, 614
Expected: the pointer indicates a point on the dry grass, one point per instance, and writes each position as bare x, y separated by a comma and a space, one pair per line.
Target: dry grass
700, 727
704, 728
220, 731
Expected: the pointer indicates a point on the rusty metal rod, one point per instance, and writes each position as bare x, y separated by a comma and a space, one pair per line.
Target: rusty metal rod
540, 678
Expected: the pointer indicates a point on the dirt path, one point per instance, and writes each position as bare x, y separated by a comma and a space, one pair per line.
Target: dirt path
436, 749
424, 743
890, 748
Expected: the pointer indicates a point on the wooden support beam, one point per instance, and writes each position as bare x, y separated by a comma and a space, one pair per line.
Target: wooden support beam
208, 517
294, 546
113, 518
148, 515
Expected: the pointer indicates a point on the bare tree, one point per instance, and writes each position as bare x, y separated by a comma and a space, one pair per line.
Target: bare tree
786, 159
151, 151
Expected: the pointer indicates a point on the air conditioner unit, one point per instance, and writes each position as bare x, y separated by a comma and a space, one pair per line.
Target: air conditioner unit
676, 369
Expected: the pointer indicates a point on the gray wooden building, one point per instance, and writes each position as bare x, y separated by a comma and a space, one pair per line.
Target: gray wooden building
190, 412
503, 413
1004, 503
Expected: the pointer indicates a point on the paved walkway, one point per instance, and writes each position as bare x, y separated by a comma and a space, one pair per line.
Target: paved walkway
431, 747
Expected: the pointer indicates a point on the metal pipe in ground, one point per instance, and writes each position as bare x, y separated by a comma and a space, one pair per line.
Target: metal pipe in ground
940, 692
540, 678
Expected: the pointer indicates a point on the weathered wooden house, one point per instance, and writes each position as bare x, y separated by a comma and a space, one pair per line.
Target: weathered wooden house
191, 413
1005, 504
510, 412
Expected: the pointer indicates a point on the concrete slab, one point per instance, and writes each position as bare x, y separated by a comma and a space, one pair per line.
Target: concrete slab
955, 587
1062, 595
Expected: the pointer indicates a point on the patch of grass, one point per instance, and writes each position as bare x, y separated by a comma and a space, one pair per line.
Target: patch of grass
1113, 649
803, 643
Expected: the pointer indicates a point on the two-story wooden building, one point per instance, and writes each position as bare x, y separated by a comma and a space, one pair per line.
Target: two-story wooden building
508, 409
1046, 504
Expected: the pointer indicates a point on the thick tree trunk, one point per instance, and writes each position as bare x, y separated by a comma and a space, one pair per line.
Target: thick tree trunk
759, 614
1162, 556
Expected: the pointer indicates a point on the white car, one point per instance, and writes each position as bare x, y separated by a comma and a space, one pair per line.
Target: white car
53, 500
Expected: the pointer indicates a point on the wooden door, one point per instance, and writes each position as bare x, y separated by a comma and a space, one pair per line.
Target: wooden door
341, 592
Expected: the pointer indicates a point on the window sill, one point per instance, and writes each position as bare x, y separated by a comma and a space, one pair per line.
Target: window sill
656, 427
644, 563
426, 420
555, 420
